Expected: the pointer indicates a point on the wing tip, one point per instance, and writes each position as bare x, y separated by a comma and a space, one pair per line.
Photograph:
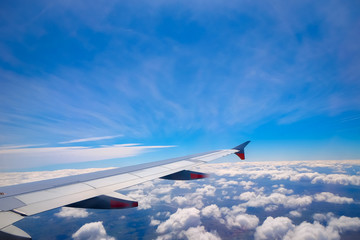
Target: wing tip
242, 146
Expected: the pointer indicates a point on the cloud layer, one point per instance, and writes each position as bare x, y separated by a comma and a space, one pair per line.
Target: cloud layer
268, 200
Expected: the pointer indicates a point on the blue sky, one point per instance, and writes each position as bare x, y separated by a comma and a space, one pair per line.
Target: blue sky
186, 76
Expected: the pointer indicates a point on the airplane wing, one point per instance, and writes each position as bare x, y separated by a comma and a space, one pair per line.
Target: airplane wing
94, 190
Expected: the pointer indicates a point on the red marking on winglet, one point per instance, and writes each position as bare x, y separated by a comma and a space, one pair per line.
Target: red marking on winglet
117, 204
241, 155
197, 176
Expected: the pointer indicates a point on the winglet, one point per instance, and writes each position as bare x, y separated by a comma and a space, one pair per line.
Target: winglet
240, 148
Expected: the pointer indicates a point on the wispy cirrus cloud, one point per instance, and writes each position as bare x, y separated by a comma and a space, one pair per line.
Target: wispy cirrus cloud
91, 139
14, 158
276, 62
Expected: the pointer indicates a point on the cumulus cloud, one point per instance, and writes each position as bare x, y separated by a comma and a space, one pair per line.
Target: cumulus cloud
342, 179
295, 213
189, 200
234, 217
247, 184
184, 224
313, 231
92, 231
67, 212
242, 221
260, 200
274, 228
224, 183
181, 219
199, 233
271, 208
332, 198
183, 184
148, 197
345, 223
195, 199
286, 170
321, 217
211, 211
154, 222
207, 190
164, 189
283, 228
283, 190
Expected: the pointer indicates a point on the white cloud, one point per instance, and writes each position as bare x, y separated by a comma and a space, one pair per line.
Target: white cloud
287, 170
145, 199
283, 228
189, 200
224, 183
242, 221
181, 219
13, 158
342, 179
274, 228
344, 223
295, 213
247, 184
183, 184
199, 233
67, 212
92, 231
320, 217
207, 190
283, 190
184, 224
164, 189
91, 139
260, 200
313, 231
332, 198
271, 208
211, 211
154, 222
247, 196
12, 178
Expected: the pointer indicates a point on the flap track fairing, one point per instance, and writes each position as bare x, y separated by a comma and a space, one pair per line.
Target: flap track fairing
185, 175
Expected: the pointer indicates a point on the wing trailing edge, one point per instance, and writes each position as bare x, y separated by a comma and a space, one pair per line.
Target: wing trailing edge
185, 175
112, 200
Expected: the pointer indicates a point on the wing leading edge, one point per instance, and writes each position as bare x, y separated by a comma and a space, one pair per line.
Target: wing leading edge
94, 190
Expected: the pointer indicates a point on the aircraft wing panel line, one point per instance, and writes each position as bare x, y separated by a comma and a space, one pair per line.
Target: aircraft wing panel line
7, 218
48, 194
103, 182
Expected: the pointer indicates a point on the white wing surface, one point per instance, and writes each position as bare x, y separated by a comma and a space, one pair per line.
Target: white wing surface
94, 190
